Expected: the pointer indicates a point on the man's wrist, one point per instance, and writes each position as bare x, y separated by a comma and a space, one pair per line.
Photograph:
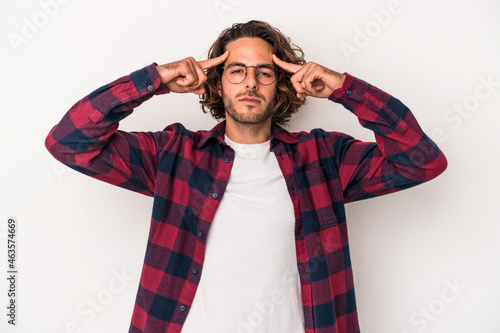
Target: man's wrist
340, 81
161, 72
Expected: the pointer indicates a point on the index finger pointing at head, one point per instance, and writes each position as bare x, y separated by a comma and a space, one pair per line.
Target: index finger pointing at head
292, 68
209, 63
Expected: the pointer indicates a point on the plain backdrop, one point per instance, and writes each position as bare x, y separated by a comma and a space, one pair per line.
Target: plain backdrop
425, 260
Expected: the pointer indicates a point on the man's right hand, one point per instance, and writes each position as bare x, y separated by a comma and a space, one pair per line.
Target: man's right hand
188, 75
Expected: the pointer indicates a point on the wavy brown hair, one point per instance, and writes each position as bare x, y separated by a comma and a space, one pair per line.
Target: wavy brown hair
287, 101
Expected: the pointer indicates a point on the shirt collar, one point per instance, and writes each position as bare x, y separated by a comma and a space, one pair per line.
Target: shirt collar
281, 134
218, 131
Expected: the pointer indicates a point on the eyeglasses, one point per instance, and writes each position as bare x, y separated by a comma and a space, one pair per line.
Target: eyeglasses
236, 73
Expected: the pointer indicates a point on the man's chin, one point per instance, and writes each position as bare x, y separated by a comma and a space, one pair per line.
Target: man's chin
248, 118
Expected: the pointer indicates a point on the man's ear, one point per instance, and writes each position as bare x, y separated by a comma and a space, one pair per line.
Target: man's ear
218, 86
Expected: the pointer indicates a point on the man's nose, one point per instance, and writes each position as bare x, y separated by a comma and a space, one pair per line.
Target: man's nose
251, 78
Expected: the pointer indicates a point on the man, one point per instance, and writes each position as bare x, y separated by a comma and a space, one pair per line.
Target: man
248, 231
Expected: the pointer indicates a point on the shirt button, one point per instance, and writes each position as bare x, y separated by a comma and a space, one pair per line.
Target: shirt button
151, 88
200, 233
348, 92
195, 271
183, 308
226, 160
215, 195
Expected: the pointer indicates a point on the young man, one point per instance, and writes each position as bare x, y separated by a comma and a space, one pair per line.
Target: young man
248, 231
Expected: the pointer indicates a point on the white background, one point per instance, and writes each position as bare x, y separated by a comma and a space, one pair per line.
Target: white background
75, 234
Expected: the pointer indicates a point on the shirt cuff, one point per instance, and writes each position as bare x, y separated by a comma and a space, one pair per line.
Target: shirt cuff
154, 76
351, 88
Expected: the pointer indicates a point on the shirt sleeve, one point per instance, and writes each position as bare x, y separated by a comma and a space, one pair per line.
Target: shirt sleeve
87, 138
402, 156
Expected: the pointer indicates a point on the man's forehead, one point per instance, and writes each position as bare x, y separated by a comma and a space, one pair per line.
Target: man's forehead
250, 42
249, 51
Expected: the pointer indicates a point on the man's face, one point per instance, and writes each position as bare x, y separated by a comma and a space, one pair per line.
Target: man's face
248, 102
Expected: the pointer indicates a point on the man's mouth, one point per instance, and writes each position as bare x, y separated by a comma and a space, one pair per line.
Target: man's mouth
250, 100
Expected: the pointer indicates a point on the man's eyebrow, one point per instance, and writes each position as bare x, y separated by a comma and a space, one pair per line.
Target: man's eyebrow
242, 64
236, 64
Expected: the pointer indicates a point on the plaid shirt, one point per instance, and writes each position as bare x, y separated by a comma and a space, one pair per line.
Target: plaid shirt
187, 172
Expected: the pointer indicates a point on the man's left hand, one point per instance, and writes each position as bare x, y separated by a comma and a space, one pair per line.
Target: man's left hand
312, 79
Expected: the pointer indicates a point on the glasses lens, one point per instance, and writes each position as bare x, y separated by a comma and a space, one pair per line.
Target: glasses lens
236, 73
266, 75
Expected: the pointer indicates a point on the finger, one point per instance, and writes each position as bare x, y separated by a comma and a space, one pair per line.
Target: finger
202, 77
199, 91
296, 81
195, 76
209, 63
190, 79
292, 68
318, 86
312, 80
184, 82
186, 74
302, 87
308, 80
198, 74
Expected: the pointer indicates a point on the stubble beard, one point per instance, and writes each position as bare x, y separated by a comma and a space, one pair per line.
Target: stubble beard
248, 118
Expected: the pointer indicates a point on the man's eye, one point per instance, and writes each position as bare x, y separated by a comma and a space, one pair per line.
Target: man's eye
266, 73
237, 70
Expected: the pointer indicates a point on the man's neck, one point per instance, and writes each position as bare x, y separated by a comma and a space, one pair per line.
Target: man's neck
248, 133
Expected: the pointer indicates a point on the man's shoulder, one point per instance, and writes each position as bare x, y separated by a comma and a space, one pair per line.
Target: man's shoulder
178, 131
305, 136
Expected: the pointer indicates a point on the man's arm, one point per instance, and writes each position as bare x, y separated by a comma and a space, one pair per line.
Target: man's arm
403, 155
87, 138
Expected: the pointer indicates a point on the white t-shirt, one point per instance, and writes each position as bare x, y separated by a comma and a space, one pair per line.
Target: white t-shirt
250, 280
